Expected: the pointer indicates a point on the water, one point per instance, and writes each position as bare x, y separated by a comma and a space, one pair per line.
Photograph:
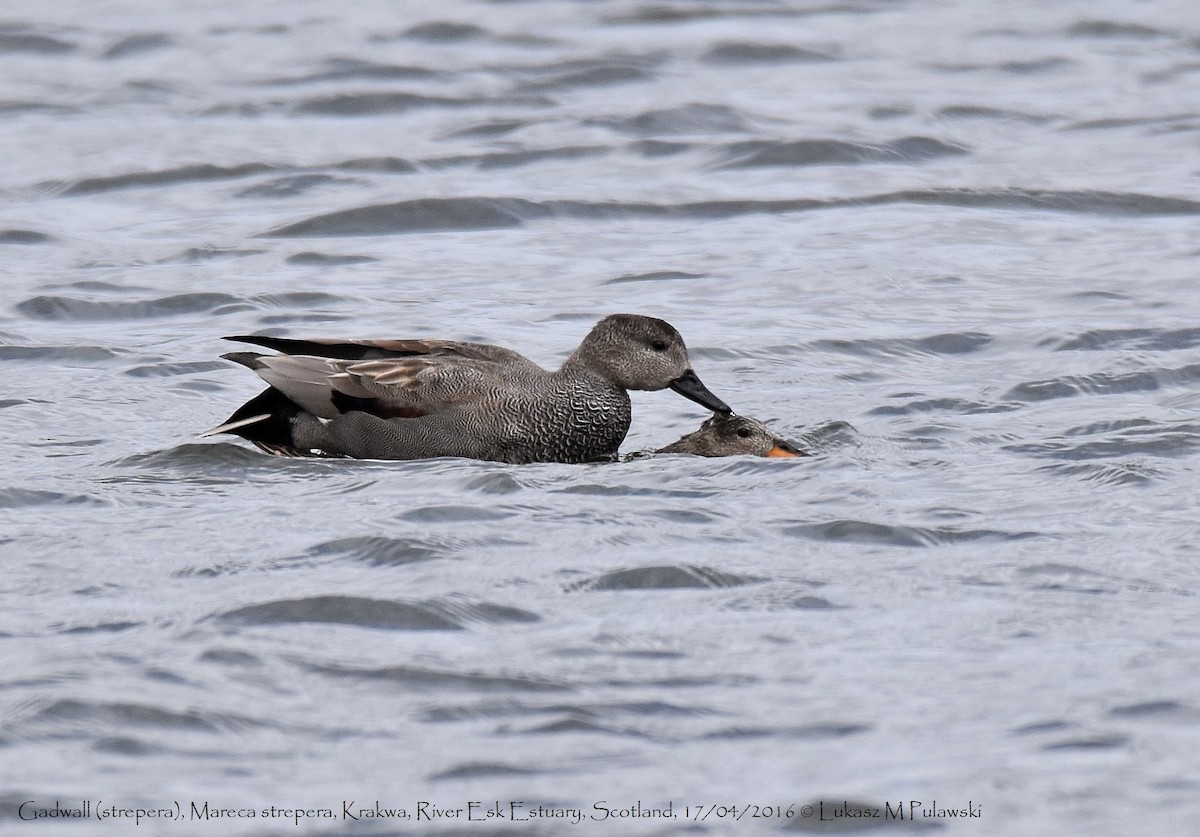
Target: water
951, 247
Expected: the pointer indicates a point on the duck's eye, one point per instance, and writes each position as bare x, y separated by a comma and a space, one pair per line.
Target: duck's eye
659, 345
744, 432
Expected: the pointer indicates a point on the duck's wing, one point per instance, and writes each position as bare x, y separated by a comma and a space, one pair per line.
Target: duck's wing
340, 349
434, 376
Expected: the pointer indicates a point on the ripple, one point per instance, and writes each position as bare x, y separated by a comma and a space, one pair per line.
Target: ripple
520, 709
1050, 64
375, 549
124, 745
137, 715
15, 39
12, 106
483, 770
183, 174
1181, 121
424, 679
442, 31
596, 73
957, 406
695, 118
510, 159
1113, 29
199, 255
675, 14
1066, 577
824, 152
387, 165
289, 186
1104, 383
24, 237
1043, 726
749, 52
442, 615
69, 308
1106, 473
480, 213
423, 215
1150, 339
217, 463
495, 483
73, 308
17, 498
667, 577
231, 657
495, 128
595, 490
999, 114
866, 532
454, 514
100, 627
1153, 709
327, 259
136, 44
1085, 202
655, 276
810, 732
1099, 741
374, 102
1150, 439
950, 343
347, 69
74, 354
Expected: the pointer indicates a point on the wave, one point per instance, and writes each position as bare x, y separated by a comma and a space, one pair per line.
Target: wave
439, 615
1147, 339
486, 213
17, 39
826, 152
16, 498
947, 343
424, 679
55, 307
866, 532
1104, 383
163, 177
666, 577
74, 354
384, 551
24, 237
1138, 439
748, 52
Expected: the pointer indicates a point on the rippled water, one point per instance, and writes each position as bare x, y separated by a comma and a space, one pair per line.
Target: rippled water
950, 247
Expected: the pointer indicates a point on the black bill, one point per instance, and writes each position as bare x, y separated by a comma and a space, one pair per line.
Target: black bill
689, 386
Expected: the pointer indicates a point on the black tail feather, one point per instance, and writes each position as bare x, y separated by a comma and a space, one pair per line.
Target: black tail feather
274, 430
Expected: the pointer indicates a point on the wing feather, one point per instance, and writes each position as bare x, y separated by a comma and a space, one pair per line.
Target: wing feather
387, 378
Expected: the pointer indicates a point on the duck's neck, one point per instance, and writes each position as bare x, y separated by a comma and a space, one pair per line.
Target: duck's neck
578, 365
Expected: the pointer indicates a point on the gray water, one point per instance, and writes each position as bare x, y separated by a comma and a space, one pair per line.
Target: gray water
951, 247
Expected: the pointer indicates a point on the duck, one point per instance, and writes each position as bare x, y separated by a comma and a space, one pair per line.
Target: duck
729, 434
419, 399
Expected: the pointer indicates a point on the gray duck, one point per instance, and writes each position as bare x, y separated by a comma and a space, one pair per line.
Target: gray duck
417, 399
727, 434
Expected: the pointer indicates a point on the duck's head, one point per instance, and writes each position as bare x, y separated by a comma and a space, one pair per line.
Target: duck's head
645, 353
733, 435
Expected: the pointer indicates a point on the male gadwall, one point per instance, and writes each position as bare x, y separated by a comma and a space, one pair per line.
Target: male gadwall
416, 399
726, 434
